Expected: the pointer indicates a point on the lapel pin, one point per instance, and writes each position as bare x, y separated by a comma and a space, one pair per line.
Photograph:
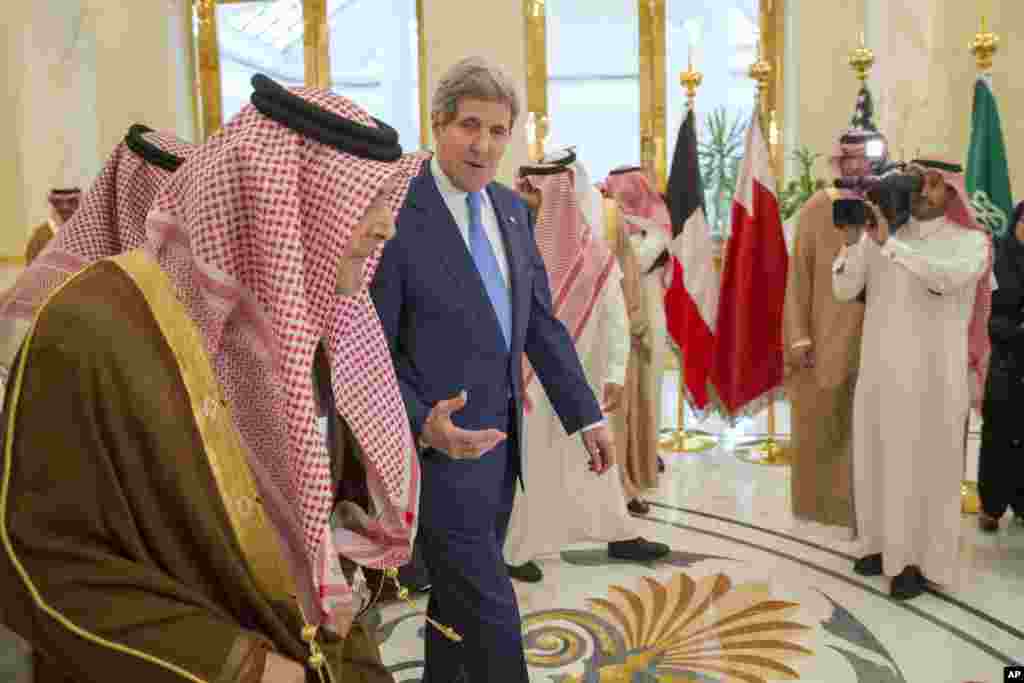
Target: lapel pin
511, 219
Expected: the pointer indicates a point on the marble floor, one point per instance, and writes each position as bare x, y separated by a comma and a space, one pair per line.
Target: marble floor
746, 595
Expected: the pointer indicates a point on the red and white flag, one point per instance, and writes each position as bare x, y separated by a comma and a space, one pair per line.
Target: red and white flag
691, 300
747, 367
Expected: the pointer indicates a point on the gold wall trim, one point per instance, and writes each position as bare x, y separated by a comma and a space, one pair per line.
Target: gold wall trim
12, 259
208, 55
537, 71
316, 38
773, 40
423, 87
653, 49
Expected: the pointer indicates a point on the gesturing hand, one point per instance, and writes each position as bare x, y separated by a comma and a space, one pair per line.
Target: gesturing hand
598, 442
462, 444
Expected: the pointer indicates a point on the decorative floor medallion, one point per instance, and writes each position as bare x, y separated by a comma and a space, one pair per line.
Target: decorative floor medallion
681, 630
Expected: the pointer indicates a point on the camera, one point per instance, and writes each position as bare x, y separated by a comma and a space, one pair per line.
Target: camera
891, 192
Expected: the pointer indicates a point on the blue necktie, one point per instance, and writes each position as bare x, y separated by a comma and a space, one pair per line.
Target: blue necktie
487, 266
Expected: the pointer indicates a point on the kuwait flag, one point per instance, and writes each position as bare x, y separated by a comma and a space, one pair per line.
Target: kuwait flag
747, 365
691, 301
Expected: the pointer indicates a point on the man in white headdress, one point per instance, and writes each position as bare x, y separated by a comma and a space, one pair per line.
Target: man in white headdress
647, 219
563, 502
924, 355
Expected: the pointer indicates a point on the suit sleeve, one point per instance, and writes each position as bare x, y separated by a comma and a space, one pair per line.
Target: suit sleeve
388, 293
552, 353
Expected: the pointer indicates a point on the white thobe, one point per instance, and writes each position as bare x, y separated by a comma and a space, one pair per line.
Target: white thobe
564, 502
912, 394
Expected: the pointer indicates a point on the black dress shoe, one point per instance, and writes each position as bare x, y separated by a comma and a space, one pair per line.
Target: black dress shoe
637, 550
909, 584
869, 565
638, 507
527, 573
988, 524
661, 464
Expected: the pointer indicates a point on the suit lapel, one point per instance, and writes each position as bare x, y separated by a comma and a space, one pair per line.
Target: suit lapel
446, 240
513, 236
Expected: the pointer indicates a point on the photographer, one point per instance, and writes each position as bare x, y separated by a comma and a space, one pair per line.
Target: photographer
922, 288
1000, 473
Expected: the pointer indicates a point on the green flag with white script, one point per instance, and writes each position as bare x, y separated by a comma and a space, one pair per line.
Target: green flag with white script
988, 175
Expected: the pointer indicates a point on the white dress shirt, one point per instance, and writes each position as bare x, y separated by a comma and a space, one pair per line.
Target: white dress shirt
455, 199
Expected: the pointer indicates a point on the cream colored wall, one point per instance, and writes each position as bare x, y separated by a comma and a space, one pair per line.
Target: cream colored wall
11, 196
923, 78
454, 29
79, 73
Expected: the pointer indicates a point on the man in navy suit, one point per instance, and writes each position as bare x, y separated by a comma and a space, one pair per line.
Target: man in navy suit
462, 293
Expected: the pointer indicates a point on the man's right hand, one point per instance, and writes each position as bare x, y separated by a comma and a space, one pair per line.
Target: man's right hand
461, 444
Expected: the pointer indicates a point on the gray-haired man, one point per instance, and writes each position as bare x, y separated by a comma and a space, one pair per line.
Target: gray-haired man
462, 293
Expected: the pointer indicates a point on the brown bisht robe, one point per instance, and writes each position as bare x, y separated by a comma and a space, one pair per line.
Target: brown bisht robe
41, 236
135, 546
633, 425
821, 398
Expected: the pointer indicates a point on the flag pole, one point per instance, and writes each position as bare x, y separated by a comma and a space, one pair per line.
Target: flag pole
682, 440
984, 48
770, 450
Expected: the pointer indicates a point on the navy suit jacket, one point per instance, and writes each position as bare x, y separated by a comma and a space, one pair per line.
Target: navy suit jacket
442, 330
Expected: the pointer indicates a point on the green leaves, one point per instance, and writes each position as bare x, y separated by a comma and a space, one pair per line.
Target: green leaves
796, 192
719, 151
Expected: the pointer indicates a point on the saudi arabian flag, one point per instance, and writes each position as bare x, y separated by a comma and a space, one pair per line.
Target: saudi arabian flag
988, 176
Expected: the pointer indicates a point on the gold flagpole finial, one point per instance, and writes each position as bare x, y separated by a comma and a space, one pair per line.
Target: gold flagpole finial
760, 71
862, 59
985, 46
691, 79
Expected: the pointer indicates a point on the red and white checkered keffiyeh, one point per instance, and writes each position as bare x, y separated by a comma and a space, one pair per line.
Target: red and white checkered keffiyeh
633, 191
109, 221
63, 204
251, 231
577, 260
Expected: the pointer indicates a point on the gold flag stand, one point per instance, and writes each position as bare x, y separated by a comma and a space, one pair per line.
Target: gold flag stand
681, 440
770, 450
984, 48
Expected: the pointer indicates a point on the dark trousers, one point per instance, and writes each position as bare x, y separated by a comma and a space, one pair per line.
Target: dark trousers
465, 509
1001, 475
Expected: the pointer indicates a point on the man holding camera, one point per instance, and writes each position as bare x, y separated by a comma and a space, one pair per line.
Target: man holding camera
924, 285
